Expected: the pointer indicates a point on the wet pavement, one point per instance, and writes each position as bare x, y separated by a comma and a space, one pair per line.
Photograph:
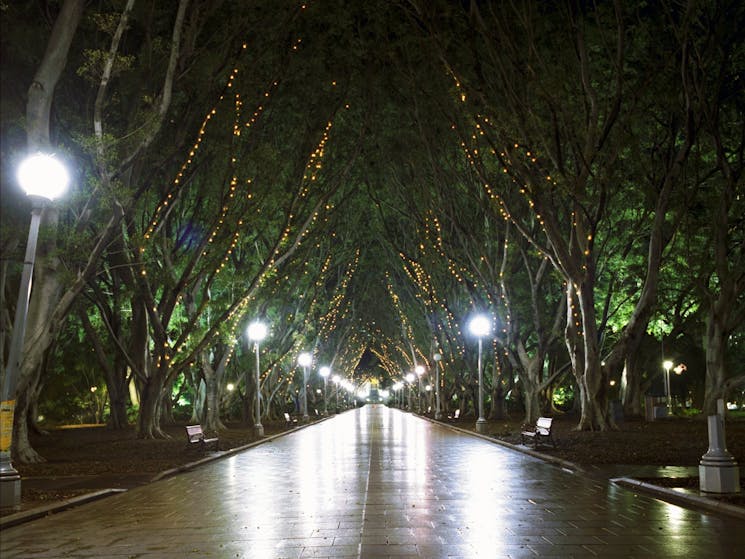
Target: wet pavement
377, 482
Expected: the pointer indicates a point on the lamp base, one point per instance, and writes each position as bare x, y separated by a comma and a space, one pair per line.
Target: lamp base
481, 425
10, 490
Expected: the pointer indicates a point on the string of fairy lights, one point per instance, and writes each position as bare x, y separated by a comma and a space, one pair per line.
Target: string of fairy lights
225, 235
220, 229
521, 165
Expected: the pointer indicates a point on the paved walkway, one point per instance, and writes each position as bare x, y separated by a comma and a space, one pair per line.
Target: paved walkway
372, 483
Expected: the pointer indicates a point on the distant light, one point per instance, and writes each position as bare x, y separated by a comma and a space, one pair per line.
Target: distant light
667, 365
410, 377
437, 357
479, 326
230, 387
305, 359
43, 175
419, 370
257, 331
325, 371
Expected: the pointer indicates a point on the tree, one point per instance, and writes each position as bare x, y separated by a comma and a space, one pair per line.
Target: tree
552, 95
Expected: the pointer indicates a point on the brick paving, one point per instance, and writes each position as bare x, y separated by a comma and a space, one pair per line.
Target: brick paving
374, 483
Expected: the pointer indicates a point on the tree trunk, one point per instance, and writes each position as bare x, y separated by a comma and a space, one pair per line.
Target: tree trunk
148, 420
22, 449
166, 408
593, 379
114, 369
715, 347
496, 410
631, 390
211, 418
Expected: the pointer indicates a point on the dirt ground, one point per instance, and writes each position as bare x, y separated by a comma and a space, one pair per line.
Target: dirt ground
96, 451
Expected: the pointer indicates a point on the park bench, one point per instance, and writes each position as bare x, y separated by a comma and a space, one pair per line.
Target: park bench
455, 415
538, 432
195, 435
289, 419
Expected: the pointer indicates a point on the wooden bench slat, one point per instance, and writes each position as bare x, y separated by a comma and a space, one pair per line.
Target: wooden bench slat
195, 435
541, 430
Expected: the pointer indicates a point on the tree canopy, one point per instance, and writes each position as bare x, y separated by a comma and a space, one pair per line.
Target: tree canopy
364, 177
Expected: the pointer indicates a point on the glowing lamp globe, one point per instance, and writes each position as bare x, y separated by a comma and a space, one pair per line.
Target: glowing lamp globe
43, 175
479, 326
257, 331
305, 359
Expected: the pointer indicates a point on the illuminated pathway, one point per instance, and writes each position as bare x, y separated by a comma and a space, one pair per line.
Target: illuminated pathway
377, 483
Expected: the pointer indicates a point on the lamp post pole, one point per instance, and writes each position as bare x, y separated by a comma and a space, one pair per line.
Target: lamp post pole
480, 422
325, 372
410, 378
41, 176
337, 380
437, 357
480, 326
257, 332
419, 372
667, 365
305, 359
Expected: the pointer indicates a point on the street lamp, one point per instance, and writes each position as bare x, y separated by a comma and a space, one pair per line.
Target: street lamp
667, 365
304, 360
325, 372
410, 379
337, 380
396, 387
480, 326
43, 178
419, 370
437, 357
256, 333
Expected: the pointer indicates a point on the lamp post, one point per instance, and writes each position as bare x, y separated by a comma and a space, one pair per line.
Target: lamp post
667, 365
337, 380
395, 387
325, 372
419, 370
42, 177
480, 326
437, 357
410, 379
256, 333
304, 360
